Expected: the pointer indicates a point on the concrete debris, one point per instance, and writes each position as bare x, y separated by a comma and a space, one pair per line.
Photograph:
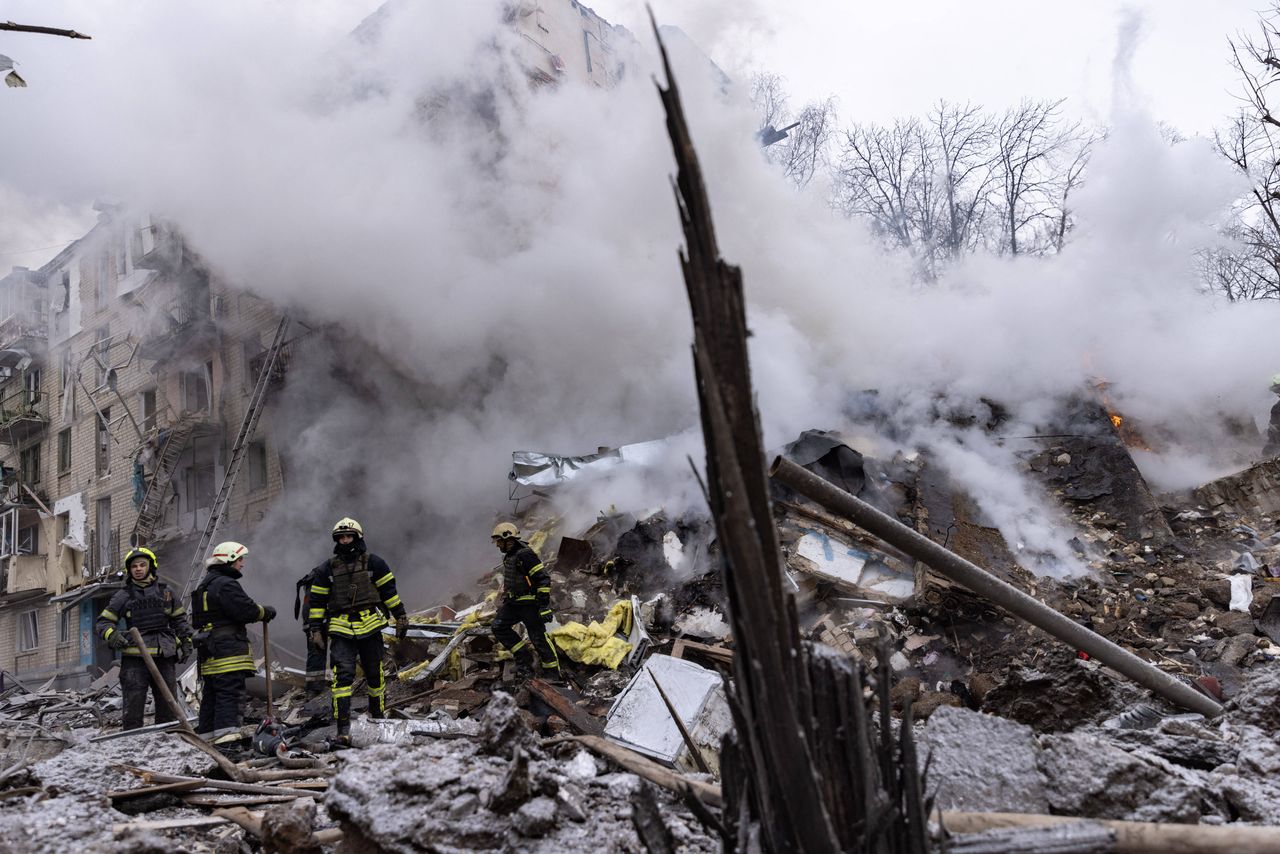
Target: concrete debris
982, 762
640, 719
476, 756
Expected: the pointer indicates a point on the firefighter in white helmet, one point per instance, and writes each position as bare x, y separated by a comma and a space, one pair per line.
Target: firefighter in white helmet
221, 612
350, 597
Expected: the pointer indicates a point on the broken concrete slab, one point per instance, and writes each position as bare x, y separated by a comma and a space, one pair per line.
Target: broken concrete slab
1088, 776
982, 762
639, 718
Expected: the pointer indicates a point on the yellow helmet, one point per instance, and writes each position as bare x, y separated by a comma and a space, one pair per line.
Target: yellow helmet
226, 553
142, 552
505, 531
347, 525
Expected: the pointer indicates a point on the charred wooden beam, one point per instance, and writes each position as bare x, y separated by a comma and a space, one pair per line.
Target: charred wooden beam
803, 770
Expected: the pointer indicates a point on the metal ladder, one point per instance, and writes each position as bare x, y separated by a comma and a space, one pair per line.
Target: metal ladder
153, 501
247, 426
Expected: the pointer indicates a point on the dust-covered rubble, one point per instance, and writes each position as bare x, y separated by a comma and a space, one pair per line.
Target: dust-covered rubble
463, 794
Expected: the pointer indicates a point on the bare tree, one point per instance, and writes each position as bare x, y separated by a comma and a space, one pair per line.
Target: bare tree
805, 148
1077, 148
1030, 140
886, 175
1251, 268
965, 137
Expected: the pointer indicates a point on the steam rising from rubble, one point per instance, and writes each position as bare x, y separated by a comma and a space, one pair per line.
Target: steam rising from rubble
509, 256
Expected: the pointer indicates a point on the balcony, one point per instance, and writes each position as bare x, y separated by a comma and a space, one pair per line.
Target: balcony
278, 370
20, 416
186, 324
23, 331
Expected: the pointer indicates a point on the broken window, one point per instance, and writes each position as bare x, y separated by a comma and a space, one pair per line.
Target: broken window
28, 631
103, 445
9, 533
65, 619
66, 375
62, 299
103, 353
148, 405
29, 540
103, 532
199, 486
586, 46
64, 451
102, 288
31, 386
253, 349
29, 464
257, 453
194, 386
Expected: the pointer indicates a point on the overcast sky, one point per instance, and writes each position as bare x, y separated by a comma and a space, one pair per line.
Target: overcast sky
887, 59
879, 59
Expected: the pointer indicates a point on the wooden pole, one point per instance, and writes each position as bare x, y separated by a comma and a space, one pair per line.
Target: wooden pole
266, 667
1135, 837
985, 584
162, 691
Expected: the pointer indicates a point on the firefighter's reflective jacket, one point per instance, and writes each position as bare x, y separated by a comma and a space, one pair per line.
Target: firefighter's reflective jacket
351, 595
151, 608
220, 610
523, 577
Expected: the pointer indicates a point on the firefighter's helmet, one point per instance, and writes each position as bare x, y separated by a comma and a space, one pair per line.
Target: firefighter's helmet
142, 552
227, 553
505, 531
348, 525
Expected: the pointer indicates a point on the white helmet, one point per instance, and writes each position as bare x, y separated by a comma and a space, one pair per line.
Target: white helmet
226, 553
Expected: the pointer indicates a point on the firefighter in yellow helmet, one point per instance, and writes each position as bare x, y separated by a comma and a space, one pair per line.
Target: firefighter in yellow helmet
351, 594
526, 598
221, 611
148, 605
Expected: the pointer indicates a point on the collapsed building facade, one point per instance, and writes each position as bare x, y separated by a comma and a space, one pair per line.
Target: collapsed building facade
129, 370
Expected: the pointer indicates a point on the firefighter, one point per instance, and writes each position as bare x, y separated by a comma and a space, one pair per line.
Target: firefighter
526, 598
1272, 447
147, 604
317, 654
221, 611
351, 594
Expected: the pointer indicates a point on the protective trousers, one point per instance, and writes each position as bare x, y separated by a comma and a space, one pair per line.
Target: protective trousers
527, 612
315, 665
135, 679
222, 701
344, 651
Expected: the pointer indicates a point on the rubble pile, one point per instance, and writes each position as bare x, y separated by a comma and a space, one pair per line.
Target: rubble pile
474, 756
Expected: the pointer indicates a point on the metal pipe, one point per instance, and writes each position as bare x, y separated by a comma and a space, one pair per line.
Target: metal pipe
987, 585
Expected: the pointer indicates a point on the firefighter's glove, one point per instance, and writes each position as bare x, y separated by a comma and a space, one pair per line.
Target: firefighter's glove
402, 628
316, 638
546, 615
268, 613
117, 640
184, 650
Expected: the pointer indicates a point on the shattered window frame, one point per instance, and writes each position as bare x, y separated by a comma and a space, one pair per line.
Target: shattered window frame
65, 634
64, 451
29, 630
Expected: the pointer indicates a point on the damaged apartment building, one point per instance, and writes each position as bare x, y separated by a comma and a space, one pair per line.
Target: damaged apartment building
125, 375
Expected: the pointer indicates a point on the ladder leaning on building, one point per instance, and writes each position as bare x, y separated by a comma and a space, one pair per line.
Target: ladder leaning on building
247, 426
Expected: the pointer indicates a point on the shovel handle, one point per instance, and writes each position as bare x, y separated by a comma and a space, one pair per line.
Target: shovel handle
266, 667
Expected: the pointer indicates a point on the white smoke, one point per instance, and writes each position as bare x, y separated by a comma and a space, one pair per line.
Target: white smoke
511, 258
